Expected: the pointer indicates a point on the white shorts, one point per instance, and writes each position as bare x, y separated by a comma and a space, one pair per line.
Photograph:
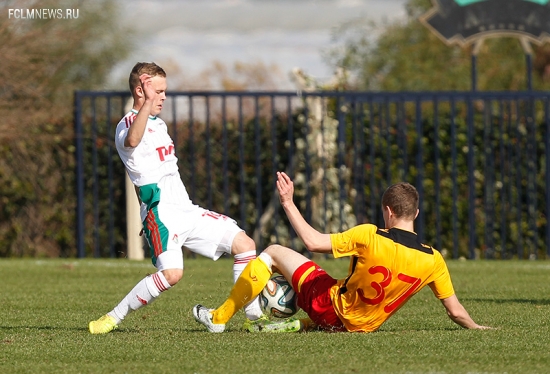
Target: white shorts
206, 233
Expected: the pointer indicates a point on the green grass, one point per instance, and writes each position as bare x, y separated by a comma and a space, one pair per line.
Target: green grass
47, 304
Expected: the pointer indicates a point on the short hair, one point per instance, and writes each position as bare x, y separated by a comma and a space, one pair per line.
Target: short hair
144, 68
402, 198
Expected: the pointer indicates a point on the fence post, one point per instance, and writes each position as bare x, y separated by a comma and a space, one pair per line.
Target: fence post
133, 218
133, 223
79, 171
475, 51
528, 61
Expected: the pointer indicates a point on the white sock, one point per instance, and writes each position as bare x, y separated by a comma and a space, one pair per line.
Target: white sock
252, 309
144, 293
266, 259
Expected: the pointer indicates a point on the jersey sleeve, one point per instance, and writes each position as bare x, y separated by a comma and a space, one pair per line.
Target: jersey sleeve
120, 136
122, 129
348, 243
441, 286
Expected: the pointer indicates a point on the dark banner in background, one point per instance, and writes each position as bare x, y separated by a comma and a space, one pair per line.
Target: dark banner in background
465, 21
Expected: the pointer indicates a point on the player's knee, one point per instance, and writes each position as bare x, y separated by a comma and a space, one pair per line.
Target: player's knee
242, 243
275, 249
276, 254
173, 276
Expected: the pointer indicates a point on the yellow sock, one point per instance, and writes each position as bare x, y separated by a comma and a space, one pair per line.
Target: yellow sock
250, 283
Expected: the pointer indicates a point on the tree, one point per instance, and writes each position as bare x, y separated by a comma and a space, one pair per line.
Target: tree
44, 59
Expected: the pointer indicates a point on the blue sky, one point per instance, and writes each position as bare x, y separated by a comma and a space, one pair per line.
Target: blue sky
286, 33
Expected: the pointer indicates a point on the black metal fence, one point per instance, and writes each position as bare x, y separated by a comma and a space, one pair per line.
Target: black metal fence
479, 161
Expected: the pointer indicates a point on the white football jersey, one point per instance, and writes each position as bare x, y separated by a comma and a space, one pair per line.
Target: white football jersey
153, 158
153, 162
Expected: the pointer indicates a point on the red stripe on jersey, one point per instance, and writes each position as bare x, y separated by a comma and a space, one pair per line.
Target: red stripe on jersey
129, 119
158, 283
156, 241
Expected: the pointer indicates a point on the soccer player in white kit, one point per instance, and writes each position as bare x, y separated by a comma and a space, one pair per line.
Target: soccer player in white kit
170, 219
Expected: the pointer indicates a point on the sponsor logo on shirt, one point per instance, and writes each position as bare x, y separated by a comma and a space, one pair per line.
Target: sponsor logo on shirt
165, 151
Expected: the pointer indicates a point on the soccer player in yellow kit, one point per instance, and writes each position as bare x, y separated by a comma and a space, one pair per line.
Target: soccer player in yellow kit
387, 267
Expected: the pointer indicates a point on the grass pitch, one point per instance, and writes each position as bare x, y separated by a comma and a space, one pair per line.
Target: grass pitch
47, 304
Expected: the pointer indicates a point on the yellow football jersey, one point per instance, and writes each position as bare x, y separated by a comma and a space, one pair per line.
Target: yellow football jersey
386, 268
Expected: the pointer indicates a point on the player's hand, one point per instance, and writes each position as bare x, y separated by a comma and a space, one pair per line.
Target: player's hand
285, 186
147, 86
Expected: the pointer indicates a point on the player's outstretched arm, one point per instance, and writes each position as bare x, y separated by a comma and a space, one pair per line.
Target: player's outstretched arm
146, 94
458, 314
313, 239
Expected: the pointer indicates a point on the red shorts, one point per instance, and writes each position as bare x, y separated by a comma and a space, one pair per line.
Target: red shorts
312, 284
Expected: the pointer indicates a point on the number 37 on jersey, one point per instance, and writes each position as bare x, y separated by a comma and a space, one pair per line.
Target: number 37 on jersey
411, 285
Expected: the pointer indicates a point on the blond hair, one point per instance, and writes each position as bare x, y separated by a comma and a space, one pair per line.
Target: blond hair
144, 68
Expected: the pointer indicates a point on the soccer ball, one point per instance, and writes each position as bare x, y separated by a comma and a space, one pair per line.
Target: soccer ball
278, 298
